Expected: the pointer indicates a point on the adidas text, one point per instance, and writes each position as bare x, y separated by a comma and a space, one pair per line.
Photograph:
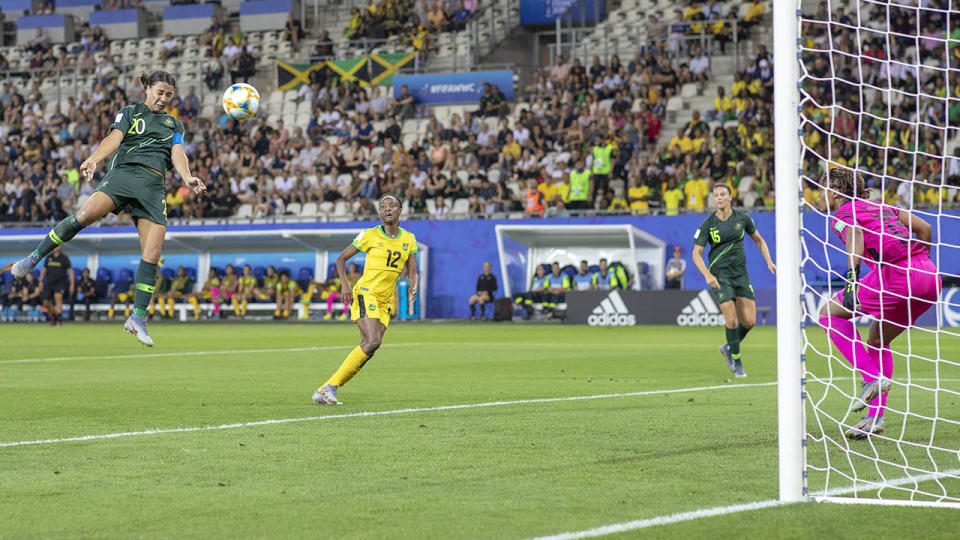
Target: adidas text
701, 311
612, 312
612, 319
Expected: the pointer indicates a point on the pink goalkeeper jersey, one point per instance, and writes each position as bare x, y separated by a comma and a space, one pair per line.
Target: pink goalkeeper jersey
884, 237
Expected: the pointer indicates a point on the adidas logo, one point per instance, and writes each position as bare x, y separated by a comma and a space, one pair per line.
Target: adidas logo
612, 312
701, 311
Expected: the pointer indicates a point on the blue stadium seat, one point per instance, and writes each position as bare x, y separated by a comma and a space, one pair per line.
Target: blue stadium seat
304, 277
593, 268
259, 272
546, 267
331, 270
102, 284
168, 274
191, 273
77, 272
124, 279
570, 270
218, 270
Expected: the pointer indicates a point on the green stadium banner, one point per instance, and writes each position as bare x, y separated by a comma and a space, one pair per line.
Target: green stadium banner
372, 70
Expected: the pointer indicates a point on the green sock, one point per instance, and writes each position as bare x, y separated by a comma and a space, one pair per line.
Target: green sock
61, 232
733, 341
146, 281
742, 331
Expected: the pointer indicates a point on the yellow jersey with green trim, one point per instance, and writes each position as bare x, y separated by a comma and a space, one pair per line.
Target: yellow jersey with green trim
148, 138
270, 282
248, 282
386, 259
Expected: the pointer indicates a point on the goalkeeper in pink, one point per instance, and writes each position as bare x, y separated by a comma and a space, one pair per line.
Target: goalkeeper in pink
901, 285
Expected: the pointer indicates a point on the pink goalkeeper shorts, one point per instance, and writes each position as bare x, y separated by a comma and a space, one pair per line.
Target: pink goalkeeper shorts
899, 294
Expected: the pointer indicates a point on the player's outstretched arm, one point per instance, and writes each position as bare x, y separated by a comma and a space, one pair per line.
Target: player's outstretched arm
918, 226
346, 292
762, 244
182, 165
106, 149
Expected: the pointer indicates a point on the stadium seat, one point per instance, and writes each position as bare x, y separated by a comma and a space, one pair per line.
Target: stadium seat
460, 206
245, 211
168, 274
102, 283
309, 210
258, 272
293, 209
304, 277
191, 273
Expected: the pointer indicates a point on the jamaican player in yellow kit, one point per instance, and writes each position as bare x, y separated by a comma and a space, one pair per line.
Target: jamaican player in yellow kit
246, 289
145, 142
389, 250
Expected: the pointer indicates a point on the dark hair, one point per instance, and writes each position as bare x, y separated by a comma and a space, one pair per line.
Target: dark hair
603, 260
389, 196
149, 79
844, 181
724, 186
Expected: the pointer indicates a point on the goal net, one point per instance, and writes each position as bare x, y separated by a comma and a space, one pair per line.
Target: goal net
879, 94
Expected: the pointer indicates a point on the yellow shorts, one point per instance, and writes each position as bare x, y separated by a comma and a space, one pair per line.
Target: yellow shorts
369, 305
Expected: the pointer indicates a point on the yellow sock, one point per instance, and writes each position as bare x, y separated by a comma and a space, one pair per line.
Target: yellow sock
243, 307
152, 308
236, 305
196, 306
170, 303
126, 311
348, 368
110, 313
286, 313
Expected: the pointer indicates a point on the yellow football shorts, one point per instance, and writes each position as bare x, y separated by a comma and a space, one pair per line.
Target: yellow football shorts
366, 304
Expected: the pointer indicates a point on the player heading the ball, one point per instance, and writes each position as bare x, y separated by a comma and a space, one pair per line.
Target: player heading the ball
145, 142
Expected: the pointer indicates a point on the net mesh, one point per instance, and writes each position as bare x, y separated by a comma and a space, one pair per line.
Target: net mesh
880, 96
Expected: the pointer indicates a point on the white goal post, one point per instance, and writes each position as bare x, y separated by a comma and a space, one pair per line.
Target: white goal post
915, 460
786, 100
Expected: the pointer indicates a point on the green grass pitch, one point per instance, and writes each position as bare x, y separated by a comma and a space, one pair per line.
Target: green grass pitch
505, 470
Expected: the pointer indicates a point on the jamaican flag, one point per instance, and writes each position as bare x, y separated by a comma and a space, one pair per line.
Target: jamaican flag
372, 70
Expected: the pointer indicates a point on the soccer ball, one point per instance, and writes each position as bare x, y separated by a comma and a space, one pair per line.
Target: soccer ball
241, 101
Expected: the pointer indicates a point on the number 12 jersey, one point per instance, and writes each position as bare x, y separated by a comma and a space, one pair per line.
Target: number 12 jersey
386, 259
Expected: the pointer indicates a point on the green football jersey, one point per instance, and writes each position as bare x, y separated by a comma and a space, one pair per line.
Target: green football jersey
148, 137
726, 242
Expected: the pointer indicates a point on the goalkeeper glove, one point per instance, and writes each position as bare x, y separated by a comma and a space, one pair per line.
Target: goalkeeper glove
850, 291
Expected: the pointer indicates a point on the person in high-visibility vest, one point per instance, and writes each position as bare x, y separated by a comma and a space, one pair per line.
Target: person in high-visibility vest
581, 185
602, 165
533, 200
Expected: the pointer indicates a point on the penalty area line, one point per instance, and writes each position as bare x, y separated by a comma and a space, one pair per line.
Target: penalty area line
372, 413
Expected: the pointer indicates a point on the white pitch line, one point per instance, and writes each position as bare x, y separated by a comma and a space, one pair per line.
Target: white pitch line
372, 413
305, 349
745, 507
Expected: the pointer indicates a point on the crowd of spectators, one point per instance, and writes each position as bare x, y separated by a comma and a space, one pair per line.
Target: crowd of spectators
604, 116
888, 75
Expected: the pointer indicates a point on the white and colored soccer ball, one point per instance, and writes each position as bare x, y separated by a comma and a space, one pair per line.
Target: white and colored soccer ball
241, 101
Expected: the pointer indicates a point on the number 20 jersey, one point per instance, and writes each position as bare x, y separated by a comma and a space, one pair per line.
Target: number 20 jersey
386, 259
884, 237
